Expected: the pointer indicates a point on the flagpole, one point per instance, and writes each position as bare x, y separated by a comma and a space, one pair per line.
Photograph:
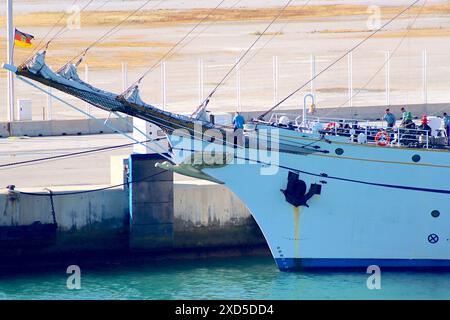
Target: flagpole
10, 57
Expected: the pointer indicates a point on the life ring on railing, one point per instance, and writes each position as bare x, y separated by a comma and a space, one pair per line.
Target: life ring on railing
382, 138
330, 126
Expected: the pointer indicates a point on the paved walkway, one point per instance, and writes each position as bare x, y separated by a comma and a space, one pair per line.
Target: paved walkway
81, 170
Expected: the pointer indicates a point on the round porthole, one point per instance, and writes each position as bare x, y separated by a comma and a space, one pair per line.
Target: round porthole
435, 213
415, 158
433, 238
339, 151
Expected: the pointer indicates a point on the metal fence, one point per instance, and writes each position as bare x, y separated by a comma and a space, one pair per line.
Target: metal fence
181, 84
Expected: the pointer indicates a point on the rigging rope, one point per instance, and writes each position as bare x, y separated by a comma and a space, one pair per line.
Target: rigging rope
207, 27
339, 59
64, 27
75, 154
102, 5
37, 47
137, 82
386, 61
271, 38
205, 102
99, 7
110, 31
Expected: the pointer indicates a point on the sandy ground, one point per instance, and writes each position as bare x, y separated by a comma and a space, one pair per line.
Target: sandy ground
323, 28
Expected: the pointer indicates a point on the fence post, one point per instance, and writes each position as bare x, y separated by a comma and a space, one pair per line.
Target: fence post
425, 76
86, 79
350, 79
124, 76
387, 57
163, 84
49, 105
313, 74
10, 58
200, 81
238, 86
275, 80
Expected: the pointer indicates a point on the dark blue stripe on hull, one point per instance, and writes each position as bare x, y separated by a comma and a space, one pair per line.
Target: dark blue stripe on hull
295, 264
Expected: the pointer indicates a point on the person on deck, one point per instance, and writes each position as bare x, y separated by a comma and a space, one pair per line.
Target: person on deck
407, 119
446, 120
424, 125
238, 124
389, 118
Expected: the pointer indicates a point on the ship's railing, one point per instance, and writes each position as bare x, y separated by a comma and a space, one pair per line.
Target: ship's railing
399, 136
406, 136
351, 128
275, 117
308, 121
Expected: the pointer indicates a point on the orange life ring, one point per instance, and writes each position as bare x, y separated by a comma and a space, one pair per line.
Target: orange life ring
330, 126
382, 138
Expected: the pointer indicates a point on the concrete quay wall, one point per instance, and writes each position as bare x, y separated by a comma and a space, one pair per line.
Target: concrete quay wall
208, 214
85, 222
372, 113
96, 126
64, 127
205, 215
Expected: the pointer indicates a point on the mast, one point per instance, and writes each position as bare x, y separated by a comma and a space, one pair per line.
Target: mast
10, 57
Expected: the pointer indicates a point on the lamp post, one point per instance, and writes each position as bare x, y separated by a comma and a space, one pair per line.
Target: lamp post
10, 57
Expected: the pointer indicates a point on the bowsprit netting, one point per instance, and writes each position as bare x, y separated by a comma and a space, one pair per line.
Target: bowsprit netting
68, 81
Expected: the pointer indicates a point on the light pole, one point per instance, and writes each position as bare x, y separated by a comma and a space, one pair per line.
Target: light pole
10, 57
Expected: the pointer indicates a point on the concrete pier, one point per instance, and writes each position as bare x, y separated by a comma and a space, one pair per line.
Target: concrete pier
85, 221
206, 217
207, 214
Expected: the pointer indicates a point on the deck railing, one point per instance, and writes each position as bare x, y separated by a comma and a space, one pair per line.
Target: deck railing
397, 136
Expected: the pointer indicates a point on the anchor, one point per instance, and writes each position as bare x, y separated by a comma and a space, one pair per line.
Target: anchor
295, 192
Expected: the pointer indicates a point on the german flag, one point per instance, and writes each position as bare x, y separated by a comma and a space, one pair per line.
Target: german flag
22, 39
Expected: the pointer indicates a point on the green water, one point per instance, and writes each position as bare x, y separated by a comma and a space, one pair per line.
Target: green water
232, 278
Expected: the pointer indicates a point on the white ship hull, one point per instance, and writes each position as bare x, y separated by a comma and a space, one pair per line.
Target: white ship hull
375, 205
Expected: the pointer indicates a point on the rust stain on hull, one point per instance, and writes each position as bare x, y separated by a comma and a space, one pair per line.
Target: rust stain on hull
297, 231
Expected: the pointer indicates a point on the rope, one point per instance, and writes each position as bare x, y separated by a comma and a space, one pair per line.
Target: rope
138, 81
73, 154
89, 191
90, 13
52, 204
63, 28
271, 38
207, 27
221, 82
37, 47
339, 59
205, 136
102, 5
110, 31
385, 62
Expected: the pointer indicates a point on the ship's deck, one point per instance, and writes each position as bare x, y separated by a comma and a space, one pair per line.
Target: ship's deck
366, 132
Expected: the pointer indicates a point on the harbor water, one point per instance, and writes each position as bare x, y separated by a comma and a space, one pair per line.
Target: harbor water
219, 278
